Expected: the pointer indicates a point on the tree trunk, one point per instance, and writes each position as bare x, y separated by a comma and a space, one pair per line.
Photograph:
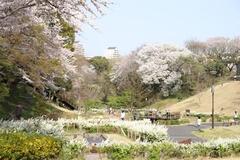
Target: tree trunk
238, 69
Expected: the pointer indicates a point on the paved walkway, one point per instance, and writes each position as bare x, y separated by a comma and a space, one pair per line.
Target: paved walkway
178, 133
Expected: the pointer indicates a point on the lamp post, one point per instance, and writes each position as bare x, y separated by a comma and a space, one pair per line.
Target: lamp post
212, 91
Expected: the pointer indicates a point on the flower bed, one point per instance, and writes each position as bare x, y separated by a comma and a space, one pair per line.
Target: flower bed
166, 150
159, 149
36, 125
147, 131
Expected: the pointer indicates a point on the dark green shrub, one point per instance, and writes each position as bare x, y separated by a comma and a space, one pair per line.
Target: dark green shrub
173, 122
120, 101
154, 153
219, 151
235, 148
222, 118
28, 146
200, 150
149, 138
163, 151
169, 150
168, 122
120, 152
72, 151
204, 119
93, 103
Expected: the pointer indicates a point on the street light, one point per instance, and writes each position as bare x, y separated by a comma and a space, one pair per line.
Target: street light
212, 91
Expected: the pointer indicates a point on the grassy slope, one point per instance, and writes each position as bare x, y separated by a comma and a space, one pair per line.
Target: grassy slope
227, 100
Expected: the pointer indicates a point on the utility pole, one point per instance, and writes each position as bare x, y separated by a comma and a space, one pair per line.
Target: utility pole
213, 73
212, 90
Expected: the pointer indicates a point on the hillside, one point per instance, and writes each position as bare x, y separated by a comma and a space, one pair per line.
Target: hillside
22, 102
227, 100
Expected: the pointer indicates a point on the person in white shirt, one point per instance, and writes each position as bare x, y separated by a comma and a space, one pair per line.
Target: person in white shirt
110, 110
122, 115
199, 121
235, 117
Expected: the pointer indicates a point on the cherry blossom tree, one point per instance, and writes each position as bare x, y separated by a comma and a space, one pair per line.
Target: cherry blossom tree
83, 77
156, 63
233, 58
222, 49
123, 68
38, 37
126, 79
48, 11
40, 29
154, 66
55, 17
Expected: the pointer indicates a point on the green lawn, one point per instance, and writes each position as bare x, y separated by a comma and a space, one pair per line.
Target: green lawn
219, 132
119, 139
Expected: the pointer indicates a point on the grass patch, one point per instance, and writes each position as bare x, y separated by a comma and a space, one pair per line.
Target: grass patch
91, 114
219, 132
120, 139
100, 129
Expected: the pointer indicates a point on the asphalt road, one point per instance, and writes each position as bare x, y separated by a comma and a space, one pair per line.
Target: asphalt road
178, 133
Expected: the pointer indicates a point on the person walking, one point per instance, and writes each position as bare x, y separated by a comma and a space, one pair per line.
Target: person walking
122, 116
235, 117
199, 121
110, 110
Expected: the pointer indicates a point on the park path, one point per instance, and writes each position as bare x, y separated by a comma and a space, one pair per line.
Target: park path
181, 132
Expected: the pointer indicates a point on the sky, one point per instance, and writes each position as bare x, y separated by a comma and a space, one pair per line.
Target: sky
128, 24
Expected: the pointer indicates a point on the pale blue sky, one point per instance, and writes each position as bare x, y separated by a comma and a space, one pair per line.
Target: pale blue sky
130, 23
